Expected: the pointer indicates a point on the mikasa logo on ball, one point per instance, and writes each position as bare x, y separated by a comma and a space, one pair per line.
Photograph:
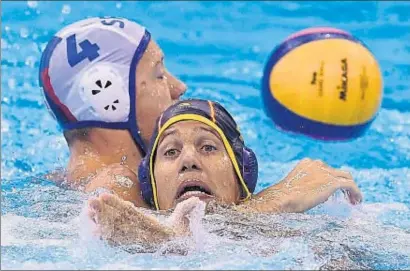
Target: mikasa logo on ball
344, 80
317, 78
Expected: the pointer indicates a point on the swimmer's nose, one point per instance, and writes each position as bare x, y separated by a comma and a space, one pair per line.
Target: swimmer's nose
177, 87
189, 162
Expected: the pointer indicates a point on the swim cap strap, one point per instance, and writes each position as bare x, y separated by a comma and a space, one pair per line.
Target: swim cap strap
132, 120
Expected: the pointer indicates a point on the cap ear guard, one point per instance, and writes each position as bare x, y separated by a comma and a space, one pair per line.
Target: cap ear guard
249, 168
145, 181
248, 164
103, 89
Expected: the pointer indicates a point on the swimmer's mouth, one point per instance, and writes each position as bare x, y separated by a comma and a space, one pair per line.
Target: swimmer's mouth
193, 188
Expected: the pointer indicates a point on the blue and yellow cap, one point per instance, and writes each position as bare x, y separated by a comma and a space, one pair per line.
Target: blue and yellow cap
215, 116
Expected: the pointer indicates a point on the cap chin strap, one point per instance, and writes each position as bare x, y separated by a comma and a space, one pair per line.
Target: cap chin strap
135, 133
133, 128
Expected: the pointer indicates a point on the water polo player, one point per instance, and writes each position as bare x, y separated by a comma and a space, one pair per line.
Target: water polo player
106, 97
197, 151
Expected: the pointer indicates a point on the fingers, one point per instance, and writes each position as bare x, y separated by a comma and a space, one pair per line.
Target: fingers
184, 212
347, 184
115, 202
94, 209
183, 208
337, 173
95, 205
111, 200
353, 192
92, 215
320, 181
186, 206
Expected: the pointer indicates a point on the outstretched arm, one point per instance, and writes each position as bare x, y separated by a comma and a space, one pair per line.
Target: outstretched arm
121, 223
309, 184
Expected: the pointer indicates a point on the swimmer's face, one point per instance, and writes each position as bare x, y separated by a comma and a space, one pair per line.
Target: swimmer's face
157, 89
191, 160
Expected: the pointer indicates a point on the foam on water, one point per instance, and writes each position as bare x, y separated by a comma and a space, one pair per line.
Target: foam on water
334, 234
219, 49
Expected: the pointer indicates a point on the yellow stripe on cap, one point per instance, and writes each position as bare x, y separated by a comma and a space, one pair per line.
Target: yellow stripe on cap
159, 121
211, 107
211, 124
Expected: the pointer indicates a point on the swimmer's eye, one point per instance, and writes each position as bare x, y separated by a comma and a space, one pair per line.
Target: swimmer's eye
208, 148
171, 153
160, 72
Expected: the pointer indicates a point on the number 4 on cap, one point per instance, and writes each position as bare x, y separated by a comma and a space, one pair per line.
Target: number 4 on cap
88, 50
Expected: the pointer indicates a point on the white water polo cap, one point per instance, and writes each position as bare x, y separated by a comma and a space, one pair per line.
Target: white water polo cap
87, 72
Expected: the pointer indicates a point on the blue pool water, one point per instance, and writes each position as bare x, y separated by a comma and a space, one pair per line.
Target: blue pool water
219, 50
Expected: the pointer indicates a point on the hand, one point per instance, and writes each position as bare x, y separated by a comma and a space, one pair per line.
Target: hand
309, 184
186, 213
121, 223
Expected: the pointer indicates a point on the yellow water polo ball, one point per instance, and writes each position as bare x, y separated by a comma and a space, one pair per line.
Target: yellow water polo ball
324, 83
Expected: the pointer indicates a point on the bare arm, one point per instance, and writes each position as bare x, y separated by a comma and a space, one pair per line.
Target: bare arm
121, 223
309, 184
120, 180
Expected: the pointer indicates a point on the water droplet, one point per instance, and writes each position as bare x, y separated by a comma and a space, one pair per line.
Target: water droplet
256, 49
66, 9
11, 83
24, 32
32, 4
30, 61
27, 12
118, 5
7, 28
245, 70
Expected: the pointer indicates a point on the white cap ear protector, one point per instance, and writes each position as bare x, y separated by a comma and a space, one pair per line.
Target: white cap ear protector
103, 88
